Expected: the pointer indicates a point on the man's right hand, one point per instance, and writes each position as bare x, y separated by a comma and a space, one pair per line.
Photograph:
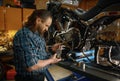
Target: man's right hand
54, 59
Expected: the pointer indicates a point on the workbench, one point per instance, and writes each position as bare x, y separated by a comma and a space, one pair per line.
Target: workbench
93, 71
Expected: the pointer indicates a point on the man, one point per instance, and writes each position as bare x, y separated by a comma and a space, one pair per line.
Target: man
31, 58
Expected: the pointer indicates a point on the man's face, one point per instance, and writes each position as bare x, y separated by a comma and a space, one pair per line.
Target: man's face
42, 26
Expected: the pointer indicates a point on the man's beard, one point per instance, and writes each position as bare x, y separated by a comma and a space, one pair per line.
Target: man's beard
39, 30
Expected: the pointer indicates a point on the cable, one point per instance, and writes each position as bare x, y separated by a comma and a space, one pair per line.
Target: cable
86, 56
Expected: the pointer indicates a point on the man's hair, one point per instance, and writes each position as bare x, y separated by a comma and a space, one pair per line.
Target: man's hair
41, 13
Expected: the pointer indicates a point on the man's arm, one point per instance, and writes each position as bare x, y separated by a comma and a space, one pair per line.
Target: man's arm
42, 63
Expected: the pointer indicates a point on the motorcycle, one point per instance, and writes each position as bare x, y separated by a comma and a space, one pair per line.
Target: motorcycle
78, 29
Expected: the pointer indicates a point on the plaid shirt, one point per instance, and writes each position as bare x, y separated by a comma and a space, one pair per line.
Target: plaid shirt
28, 48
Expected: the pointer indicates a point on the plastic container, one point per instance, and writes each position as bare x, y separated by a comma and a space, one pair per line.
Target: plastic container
10, 75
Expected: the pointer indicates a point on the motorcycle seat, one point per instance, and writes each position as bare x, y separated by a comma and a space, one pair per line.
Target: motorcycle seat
101, 6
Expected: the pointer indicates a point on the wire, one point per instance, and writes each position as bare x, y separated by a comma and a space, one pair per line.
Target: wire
86, 56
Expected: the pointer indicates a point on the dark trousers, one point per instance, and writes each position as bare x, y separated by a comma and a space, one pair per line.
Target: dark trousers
30, 78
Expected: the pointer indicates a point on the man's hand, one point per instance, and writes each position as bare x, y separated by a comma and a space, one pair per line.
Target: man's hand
54, 59
56, 46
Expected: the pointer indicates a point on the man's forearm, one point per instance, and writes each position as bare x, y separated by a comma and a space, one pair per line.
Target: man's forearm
40, 64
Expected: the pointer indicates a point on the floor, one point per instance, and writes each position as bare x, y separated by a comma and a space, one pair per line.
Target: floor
56, 72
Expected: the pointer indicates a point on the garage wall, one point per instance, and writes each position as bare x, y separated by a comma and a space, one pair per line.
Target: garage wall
41, 4
87, 4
